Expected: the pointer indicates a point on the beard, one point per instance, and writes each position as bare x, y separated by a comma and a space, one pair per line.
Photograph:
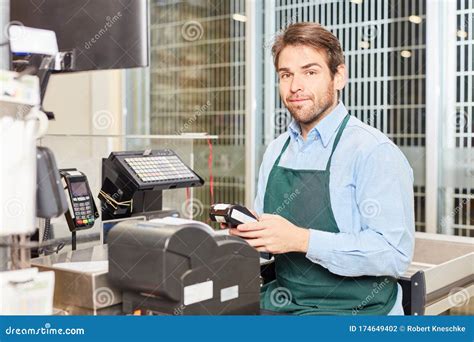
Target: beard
311, 111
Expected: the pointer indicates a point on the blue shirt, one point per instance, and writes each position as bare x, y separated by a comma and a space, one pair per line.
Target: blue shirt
371, 189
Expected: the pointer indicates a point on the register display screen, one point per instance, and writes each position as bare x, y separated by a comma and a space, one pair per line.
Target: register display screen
79, 189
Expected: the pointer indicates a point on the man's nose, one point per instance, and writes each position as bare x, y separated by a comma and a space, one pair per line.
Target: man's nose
296, 84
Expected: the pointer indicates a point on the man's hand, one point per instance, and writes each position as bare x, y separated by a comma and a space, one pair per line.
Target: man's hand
274, 234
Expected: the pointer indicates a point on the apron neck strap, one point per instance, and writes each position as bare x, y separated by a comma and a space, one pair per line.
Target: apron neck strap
277, 161
336, 141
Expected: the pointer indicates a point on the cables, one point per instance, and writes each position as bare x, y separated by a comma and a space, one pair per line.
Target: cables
114, 203
46, 237
47, 229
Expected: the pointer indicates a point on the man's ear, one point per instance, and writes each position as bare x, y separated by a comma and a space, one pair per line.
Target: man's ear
340, 77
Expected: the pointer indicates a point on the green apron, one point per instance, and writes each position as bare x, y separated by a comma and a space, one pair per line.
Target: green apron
302, 287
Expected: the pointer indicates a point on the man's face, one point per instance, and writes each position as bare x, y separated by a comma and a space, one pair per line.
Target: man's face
307, 87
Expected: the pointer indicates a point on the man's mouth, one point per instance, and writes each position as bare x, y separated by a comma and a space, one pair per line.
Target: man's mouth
298, 99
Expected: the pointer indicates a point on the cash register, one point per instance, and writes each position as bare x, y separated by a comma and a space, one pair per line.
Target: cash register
159, 266
133, 181
170, 265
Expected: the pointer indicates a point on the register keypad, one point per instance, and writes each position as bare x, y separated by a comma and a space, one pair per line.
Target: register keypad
159, 168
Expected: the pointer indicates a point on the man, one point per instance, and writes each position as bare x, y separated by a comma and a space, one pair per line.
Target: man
335, 196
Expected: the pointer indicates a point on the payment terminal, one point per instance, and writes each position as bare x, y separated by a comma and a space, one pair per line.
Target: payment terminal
82, 211
233, 215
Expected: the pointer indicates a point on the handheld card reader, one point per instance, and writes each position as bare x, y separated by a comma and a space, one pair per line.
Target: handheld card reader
233, 215
82, 211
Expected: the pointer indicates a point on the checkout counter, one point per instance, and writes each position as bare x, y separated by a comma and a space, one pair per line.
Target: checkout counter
151, 264
148, 264
441, 275
157, 268
429, 285
171, 266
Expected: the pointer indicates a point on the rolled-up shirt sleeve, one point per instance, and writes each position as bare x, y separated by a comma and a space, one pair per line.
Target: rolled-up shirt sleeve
384, 242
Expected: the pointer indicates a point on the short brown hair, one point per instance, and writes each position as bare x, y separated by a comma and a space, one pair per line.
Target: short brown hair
312, 35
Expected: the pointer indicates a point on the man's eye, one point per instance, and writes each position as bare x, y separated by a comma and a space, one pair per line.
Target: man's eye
311, 72
282, 76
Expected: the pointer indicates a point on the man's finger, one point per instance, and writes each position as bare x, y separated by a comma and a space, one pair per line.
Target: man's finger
266, 217
256, 242
252, 234
251, 226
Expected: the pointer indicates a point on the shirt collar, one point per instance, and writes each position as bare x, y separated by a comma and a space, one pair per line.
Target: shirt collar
325, 129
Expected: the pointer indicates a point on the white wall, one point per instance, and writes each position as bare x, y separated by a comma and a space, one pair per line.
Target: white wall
86, 102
